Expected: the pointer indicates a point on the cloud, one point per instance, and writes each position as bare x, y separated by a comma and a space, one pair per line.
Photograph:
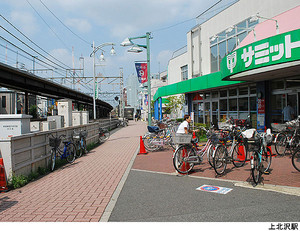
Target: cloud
25, 21
163, 58
82, 25
124, 18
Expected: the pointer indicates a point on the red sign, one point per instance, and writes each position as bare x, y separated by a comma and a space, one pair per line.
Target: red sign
261, 106
142, 72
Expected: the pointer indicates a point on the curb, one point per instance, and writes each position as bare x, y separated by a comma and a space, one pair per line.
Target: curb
113, 200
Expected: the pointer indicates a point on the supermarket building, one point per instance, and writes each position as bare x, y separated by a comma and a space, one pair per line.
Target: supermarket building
244, 60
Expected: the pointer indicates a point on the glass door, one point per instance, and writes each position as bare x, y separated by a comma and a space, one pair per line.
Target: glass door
215, 112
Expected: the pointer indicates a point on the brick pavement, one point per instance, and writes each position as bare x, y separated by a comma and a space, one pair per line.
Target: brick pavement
78, 192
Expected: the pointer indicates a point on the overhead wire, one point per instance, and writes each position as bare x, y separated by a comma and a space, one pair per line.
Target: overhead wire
30, 47
64, 24
31, 40
49, 26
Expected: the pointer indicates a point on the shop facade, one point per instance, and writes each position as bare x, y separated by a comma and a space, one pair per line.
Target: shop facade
253, 67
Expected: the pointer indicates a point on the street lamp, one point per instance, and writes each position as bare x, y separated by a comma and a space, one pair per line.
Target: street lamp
254, 18
95, 49
136, 48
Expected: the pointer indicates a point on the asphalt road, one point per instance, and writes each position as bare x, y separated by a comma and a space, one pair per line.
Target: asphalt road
157, 197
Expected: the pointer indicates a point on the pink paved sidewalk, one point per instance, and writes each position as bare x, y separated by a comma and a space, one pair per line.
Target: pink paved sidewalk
79, 192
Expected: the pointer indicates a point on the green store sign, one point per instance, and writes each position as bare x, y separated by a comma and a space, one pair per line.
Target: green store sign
273, 50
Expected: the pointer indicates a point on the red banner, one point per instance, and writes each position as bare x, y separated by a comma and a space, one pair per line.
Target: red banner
142, 72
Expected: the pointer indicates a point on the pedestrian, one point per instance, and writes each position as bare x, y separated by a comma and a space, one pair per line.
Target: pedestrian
135, 117
184, 126
288, 113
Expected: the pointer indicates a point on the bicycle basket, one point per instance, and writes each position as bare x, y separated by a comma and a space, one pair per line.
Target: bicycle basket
83, 134
54, 142
279, 127
182, 138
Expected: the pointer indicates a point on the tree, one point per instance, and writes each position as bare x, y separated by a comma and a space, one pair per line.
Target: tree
175, 103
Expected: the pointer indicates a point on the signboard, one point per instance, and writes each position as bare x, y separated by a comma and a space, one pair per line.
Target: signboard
273, 50
142, 72
215, 189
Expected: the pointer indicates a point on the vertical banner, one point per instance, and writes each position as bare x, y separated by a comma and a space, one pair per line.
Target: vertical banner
141, 69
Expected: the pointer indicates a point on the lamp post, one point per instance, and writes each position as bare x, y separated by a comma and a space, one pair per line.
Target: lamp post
95, 49
136, 48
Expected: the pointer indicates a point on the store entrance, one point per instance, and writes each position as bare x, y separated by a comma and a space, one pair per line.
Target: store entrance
293, 101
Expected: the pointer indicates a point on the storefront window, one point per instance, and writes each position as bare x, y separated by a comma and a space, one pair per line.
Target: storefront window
292, 83
253, 104
223, 110
253, 89
233, 108
214, 59
232, 104
223, 93
232, 92
207, 112
243, 104
277, 104
277, 84
214, 94
207, 95
243, 91
222, 51
231, 44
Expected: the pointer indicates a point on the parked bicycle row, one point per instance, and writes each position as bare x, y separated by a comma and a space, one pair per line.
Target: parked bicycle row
72, 148
234, 143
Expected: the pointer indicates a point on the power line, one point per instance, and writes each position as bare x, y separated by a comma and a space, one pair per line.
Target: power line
30, 40
48, 26
30, 47
65, 25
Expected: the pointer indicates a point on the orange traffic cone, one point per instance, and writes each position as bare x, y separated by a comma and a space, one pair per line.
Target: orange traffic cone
3, 182
185, 166
142, 147
194, 135
241, 153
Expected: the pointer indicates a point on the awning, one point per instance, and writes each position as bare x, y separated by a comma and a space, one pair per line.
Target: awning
210, 81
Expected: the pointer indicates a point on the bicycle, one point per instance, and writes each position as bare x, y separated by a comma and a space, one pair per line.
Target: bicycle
188, 154
103, 134
288, 136
68, 152
262, 156
237, 153
296, 159
80, 143
156, 138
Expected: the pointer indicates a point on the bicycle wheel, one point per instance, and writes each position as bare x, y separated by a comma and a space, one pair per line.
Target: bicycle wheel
52, 159
266, 159
148, 142
180, 158
239, 155
296, 159
84, 147
210, 153
70, 153
255, 168
79, 150
281, 144
219, 159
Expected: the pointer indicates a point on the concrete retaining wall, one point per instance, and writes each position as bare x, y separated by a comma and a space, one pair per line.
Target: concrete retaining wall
24, 154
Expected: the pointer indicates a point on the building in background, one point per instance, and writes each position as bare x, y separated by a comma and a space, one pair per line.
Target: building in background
214, 70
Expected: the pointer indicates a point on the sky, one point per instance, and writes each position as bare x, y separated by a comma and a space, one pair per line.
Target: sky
75, 24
